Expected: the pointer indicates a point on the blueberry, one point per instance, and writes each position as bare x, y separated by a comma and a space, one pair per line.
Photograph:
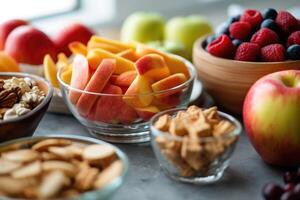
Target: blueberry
270, 24
290, 177
293, 53
290, 196
210, 39
272, 191
236, 42
234, 19
223, 29
270, 13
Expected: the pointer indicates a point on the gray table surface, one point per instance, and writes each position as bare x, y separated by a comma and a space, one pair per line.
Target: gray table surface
242, 180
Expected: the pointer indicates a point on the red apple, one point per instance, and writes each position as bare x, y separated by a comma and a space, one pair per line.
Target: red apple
7, 27
29, 45
272, 117
74, 32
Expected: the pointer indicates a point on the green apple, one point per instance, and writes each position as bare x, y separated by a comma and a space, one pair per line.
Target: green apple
170, 47
186, 30
143, 27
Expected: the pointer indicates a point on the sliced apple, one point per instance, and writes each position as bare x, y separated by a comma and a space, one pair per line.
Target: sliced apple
175, 65
95, 56
152, 66
137, 95
80, 77
96, 84
126, 78
108, 44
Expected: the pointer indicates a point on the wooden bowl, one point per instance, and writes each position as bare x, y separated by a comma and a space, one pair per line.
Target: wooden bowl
228, 81
25, 125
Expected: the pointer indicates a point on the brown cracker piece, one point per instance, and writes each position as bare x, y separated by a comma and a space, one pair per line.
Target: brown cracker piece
177, 127
105, 177
22, 155
212, 115
51, 184
53, 165
222, 128
86, 177
45, 144
29, 170
11, 186
99, 155
7, 166
163, 123
62, 152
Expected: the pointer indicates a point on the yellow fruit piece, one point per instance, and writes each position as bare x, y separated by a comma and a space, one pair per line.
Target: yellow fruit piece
78, 48
114, 45
138, 94
7, 63
62, 61
66, 75
50, 70
128, 54
95, 57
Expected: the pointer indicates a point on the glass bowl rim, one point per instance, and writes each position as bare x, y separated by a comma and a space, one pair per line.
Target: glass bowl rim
188, 64
235, 133
121, 155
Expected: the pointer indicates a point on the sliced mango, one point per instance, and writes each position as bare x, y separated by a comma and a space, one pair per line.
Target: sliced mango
78, 48
7, 63
50, 70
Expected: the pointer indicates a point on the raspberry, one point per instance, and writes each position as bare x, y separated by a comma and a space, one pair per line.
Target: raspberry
273, 53
221, 47
286, 22
240, 30
253, 17
264, 37
294, 38
247, 52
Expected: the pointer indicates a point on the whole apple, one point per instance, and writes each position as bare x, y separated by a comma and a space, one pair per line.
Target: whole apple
272, 117
7, 27
71, 33
29, 45
143, 27
187, 30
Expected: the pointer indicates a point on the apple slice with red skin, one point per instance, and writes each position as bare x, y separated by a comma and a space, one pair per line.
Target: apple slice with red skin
271, 116
112, 109
80, 77
126, 78
96, 84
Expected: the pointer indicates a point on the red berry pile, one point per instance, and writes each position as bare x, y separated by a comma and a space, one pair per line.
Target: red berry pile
290, 190
269, 36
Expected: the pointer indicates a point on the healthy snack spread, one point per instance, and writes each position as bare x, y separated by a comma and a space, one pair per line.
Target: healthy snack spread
18, 96
269, 36
57, 168
136, 79
194, 139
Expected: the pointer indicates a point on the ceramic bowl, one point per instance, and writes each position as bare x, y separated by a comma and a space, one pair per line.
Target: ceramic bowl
228, 81
25, 125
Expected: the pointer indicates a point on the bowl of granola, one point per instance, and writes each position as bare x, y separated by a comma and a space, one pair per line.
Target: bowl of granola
194, 145
24, 99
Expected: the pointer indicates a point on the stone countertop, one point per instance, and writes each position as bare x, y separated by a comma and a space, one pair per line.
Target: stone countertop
243, 179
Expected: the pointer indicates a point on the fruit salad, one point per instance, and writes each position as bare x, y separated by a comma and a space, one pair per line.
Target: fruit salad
268, 36
114, 82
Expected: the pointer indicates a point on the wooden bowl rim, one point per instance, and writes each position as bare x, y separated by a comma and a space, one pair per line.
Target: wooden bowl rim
37, 108
198, 50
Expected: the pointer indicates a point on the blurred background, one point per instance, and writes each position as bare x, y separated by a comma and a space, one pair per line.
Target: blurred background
106, 15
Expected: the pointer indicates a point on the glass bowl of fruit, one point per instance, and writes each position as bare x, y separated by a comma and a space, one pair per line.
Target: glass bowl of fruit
194, 145
248, 47
115, 96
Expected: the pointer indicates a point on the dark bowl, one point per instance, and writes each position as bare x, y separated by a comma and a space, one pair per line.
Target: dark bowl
25, 125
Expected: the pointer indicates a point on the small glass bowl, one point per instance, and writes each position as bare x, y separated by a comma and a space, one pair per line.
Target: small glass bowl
214, 159
129, 127
105, 193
